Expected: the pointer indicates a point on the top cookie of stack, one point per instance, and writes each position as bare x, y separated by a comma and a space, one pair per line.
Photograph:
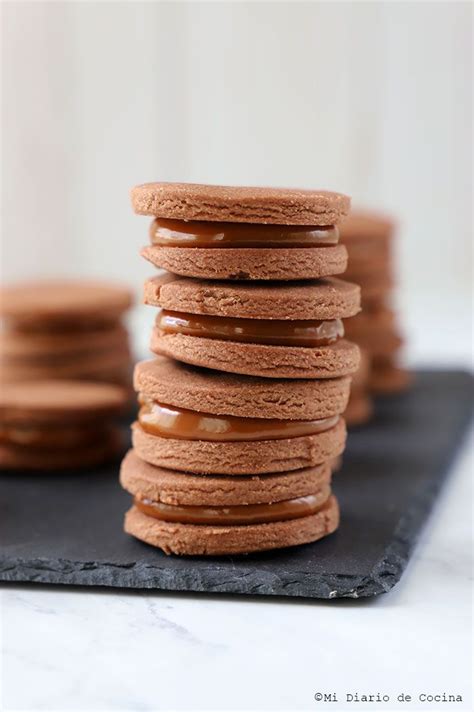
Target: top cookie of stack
218, 232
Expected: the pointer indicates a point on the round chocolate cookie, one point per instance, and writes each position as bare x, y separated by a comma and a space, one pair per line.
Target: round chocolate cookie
212, 540
240, 457
235, 240
279, 206
182, 488
279, 331
329, 298
63, 303
59, 402
173, 383
333, 361
252, 263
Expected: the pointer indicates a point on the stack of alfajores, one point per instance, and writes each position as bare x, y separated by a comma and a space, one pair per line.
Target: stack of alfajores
64, 329
241, 410
369, 239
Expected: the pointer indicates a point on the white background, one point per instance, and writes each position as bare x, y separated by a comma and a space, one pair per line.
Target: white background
372, 99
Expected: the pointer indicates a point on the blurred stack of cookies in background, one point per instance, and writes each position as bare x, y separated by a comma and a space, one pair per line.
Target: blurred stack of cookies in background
60, 425
65, 373
360, 407
369, 241
64, 329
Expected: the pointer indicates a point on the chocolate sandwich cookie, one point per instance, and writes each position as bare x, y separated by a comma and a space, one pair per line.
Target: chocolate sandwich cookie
202, 515
58, 424
220, 232
289, 330
203, 421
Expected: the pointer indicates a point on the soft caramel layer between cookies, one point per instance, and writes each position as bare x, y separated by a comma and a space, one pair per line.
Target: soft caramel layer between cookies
172, 422
194, 233
235, 514
302, 332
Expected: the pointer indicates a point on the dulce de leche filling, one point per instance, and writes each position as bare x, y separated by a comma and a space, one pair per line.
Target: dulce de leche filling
235, 514
171, 422
277, 332
196, 233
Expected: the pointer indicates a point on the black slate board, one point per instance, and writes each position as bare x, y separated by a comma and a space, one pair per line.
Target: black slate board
67, 528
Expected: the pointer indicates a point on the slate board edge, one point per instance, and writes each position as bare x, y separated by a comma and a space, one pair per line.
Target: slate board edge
384, 576
252, 581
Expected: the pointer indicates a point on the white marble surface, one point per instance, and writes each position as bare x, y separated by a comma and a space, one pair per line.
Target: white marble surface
99, 650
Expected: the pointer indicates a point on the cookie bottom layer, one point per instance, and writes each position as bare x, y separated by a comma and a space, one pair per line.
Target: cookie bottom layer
240, 458
247, 263
147, 481
202, 540
22, 458
338, 359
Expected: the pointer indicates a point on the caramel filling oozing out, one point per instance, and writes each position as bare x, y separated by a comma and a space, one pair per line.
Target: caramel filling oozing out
235, 514
171, 422
276, 332
197, 233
